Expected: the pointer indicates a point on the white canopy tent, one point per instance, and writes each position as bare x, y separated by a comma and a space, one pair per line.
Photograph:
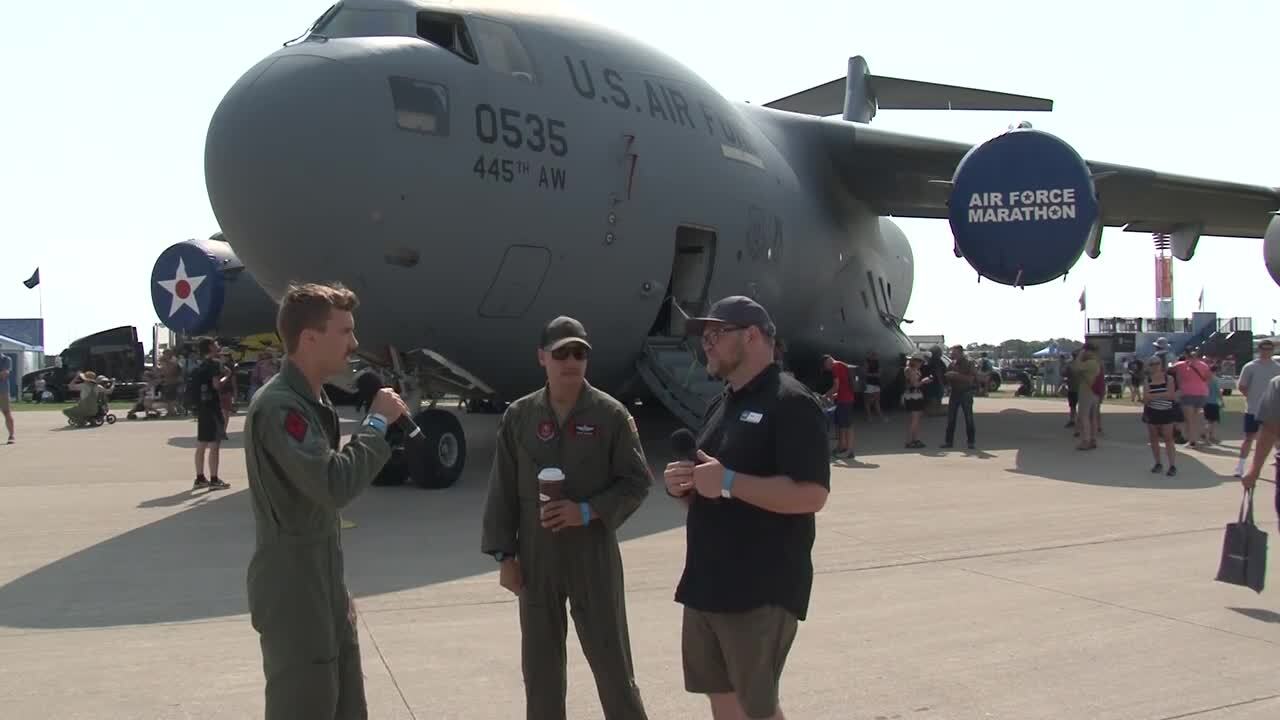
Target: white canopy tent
24, 358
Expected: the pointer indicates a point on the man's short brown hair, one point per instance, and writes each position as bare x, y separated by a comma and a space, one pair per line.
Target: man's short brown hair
307, 307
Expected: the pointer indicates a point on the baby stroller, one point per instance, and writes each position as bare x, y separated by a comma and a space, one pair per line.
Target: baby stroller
94, 407
1115, 385
1024, 384
148, 399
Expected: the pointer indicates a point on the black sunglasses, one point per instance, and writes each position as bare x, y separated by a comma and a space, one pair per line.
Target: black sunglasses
578, 352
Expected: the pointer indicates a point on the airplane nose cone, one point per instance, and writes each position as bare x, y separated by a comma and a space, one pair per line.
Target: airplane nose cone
290, 137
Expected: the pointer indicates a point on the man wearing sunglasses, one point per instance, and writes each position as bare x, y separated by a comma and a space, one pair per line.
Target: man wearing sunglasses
762, 473
567, 549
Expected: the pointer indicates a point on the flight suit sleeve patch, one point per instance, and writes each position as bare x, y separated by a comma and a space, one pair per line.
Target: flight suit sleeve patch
295, 425
631, 424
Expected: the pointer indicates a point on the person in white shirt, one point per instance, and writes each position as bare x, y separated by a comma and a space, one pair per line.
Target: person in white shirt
1254, 378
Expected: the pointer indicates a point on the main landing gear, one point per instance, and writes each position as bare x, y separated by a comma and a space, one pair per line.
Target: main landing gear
435, 459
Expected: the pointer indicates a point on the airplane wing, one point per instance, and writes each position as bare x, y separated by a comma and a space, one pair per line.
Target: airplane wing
909, 176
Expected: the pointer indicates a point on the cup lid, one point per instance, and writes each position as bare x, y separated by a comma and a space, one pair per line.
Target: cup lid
551, 474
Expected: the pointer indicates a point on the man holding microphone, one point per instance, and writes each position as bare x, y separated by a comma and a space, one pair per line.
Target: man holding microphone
762, 472
299, 480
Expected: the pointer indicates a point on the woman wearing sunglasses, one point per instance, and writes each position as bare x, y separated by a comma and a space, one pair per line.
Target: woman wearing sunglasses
1160, 412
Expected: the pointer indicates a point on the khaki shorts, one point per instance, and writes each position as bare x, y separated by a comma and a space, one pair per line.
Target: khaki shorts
740, 653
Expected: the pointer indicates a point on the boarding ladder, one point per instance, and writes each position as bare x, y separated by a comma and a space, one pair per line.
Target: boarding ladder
674, 373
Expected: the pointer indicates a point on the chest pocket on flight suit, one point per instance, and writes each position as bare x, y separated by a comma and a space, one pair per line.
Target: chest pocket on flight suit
538, 446
586, 454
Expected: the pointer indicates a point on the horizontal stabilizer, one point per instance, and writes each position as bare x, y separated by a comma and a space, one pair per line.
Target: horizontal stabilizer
896, 94
859, 94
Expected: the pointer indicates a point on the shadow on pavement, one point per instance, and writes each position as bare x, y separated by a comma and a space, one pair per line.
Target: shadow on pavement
1265, 616
235, 438
191, 565
1046, 449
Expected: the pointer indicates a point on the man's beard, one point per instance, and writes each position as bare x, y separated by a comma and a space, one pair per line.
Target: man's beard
726, 366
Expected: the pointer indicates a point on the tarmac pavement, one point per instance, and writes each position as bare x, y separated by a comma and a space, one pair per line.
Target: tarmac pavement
1022, 580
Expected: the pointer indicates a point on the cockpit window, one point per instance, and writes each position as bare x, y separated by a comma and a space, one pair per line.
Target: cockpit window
449, 32
501, 49
347, 22
421, 107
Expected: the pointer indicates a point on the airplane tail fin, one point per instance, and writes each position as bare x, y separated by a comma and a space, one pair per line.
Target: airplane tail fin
859, 94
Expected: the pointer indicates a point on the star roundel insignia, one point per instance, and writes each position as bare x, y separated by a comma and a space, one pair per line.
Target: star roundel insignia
183, 289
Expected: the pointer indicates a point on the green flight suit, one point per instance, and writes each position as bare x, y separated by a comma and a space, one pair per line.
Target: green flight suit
298, 600
599, 451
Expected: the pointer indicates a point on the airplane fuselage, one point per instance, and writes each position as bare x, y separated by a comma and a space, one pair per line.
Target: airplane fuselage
567, 170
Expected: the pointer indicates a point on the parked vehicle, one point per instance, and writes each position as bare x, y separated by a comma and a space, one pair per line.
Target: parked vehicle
115, 353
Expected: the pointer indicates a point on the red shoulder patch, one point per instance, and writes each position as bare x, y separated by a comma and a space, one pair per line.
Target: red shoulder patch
295, 425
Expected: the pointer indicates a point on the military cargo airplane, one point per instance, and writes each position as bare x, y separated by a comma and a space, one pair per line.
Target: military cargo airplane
472, 173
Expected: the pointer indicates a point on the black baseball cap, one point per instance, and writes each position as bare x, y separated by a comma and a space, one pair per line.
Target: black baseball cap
563, 331
736, 310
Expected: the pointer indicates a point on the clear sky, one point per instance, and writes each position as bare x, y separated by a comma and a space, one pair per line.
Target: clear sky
107, 104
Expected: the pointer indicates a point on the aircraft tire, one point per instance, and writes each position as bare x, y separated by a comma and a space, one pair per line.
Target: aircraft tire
437, 461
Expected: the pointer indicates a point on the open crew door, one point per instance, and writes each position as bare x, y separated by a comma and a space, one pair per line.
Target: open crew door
671, 365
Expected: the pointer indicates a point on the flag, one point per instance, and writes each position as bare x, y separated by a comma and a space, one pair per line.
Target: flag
1202, 298
32, 281
1082, 301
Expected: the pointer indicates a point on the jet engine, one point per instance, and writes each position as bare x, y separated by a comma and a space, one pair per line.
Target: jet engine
200, 287
1023, 207
1271, 248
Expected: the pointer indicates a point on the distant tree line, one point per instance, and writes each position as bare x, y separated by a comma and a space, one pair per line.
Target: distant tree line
1012, 349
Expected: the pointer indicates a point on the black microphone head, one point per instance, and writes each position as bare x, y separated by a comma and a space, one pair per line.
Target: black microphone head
684, 444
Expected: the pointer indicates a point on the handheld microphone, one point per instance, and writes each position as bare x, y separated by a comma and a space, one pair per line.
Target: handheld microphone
684, 445
406, 424
409, 427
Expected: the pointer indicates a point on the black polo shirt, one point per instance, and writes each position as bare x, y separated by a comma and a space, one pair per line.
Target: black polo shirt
738, 556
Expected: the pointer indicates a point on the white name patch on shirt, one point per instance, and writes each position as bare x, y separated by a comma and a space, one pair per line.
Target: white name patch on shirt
752, 417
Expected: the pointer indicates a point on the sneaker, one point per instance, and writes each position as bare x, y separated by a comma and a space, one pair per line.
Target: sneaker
216, 483
1173, 470
1239, 470
945, 446
12, 440
1157, 468
972, 446
201, 481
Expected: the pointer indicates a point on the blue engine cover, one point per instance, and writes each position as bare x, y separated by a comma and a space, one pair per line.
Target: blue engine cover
187, 288
1022, 207
1271, 248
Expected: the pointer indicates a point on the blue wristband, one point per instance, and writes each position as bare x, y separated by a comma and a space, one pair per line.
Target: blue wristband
586, 513
727, 485
377, 422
